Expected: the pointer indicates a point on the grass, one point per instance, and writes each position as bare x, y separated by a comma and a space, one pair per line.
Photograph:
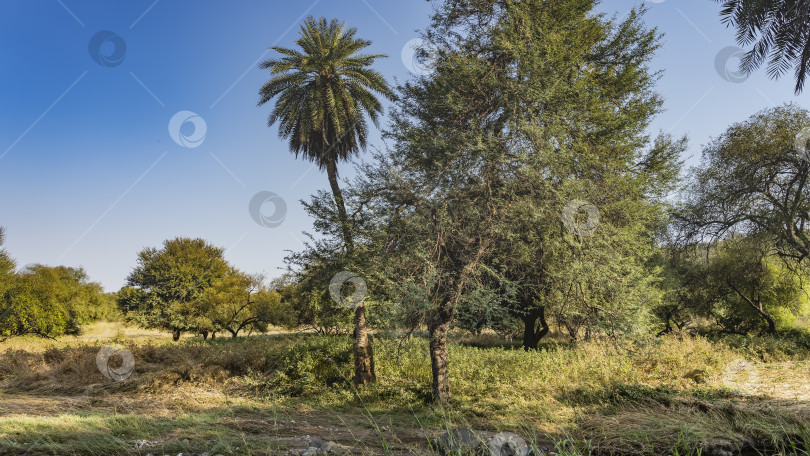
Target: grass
265, 395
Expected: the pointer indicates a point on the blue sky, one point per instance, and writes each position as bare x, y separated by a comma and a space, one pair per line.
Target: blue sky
90, 173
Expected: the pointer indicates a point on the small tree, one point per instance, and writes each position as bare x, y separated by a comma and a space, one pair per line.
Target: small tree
163, 291
239, 301
7, 266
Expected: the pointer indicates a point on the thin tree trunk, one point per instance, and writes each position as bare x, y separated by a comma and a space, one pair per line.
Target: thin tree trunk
364, 372
438, 359
438, 328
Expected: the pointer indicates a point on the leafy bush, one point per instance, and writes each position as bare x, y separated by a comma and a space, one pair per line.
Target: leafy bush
309, 365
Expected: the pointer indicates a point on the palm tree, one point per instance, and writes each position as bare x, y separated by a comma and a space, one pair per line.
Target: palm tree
325, 92
780, 30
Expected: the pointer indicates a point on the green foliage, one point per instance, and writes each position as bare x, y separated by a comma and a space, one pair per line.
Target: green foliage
735, 286
324, 91
164, 290
238, 301
525, 110
48, 301
7, 264
752, 181
308, 366
778, 31
51, 301
307, 293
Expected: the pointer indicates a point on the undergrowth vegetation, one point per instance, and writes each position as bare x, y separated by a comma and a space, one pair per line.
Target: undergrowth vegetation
657, 396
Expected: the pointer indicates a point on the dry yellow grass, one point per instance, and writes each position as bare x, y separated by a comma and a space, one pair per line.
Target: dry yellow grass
664, 395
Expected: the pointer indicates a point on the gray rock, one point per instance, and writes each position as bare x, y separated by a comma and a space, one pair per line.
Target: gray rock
459, 441
332, 448
315, 443
310, 451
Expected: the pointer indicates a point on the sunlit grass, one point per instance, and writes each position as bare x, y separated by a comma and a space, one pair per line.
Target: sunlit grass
258, 394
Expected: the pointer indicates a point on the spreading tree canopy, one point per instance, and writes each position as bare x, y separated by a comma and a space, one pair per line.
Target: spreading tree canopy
529, 106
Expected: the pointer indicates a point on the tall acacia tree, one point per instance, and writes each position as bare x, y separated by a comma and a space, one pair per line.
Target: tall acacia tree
779, 31
325, 92
530, 105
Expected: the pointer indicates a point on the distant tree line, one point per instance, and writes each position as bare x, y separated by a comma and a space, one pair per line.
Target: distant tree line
48, 301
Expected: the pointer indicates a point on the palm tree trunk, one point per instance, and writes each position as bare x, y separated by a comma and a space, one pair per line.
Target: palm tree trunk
332, 173
363, 354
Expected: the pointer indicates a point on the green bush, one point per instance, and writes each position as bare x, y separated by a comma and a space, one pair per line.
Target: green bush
310, 365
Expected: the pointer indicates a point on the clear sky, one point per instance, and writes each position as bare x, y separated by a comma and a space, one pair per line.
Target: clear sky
92, 168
